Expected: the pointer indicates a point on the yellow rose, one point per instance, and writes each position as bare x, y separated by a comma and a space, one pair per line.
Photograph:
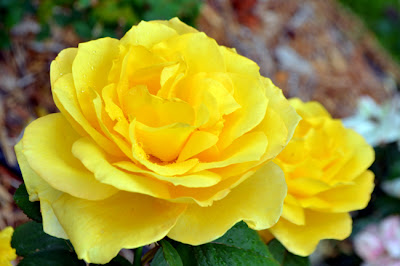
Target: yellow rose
7, 253
160, 133
325, 167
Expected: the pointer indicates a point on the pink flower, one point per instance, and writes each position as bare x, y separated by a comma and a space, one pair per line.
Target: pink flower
390, 235
383, 261
368, 244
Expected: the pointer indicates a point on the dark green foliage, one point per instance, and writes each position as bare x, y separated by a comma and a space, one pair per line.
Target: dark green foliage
39, 248
383, 18
284, 257
239, 246
31, 209
170, 254
29, 238
386, 167
51, 258
104, 18
11, 12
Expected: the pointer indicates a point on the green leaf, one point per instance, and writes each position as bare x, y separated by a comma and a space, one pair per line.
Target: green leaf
31, 209
239, 246
241, 236
159, 259
170, 254
284, 257
51, 258
29, 239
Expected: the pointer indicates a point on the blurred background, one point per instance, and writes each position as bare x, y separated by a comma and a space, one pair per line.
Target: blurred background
344, 54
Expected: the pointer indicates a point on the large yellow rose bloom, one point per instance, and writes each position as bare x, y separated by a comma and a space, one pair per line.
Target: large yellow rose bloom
160, 133
325, 167
7, 253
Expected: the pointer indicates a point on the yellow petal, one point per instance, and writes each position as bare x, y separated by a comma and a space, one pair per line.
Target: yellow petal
199, 179
62, 64
236, 63
47, 146
247, 148
257, 201
218, 86
38, 189
200, 53
197, 142
144, 181
315, 203
110, 97
279, 103
165, 142
176, 24
249, 94
362, 158
107, 126
305, 187
295, 152
276, 131
266, 235
302, 240
155, 111
293, 213
309, 109
352, 197
142, 67
7, 253
97, 162
147, 34
90, 70
68, 103
98, 230
169, 169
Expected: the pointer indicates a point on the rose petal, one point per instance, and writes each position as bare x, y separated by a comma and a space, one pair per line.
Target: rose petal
306, 187
200, 53
38, 189
294, 213
169, 169
176, 24
62, 64
199, 179
236, 63
362, 158
249, 94
247, 148
128, 220
257, 201
352, 197
302, 240
147, 34
47, 146
197, 142
67, 102
90, 70
99, 164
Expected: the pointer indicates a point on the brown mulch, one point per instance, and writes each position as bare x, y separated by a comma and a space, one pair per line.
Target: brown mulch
24, 95
311, 49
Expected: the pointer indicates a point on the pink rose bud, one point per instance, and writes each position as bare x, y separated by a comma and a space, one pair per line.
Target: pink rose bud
390, 235
368, 244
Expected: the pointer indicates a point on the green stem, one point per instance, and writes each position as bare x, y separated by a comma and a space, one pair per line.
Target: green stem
137, 260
